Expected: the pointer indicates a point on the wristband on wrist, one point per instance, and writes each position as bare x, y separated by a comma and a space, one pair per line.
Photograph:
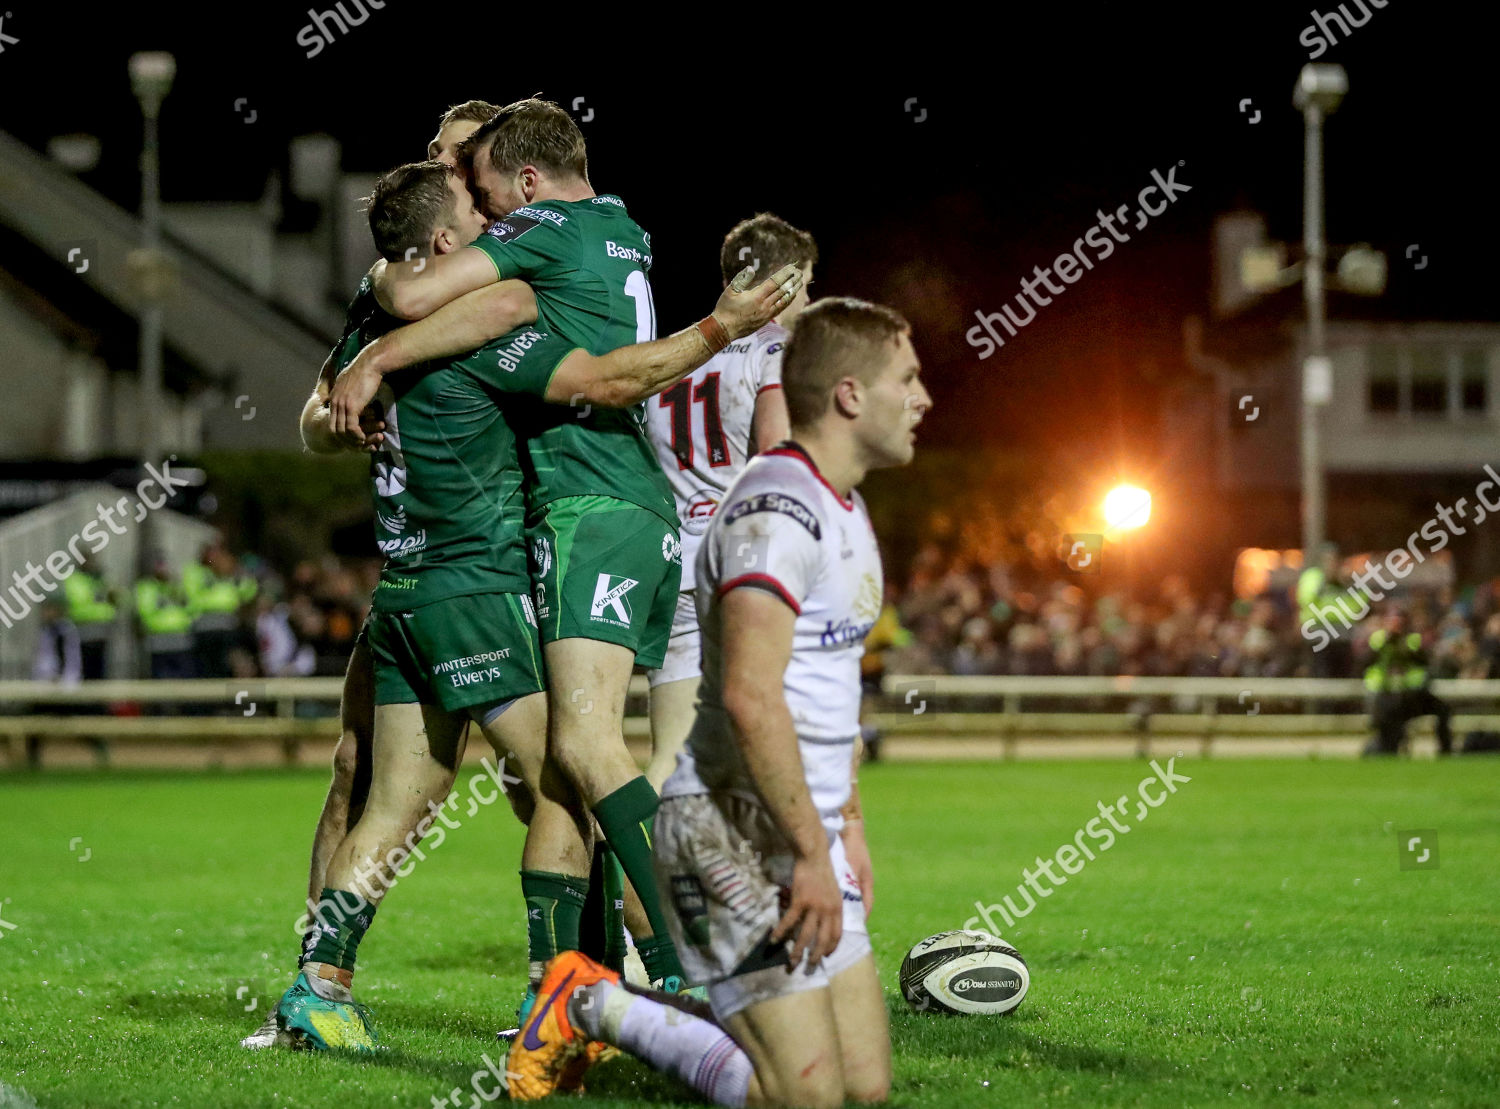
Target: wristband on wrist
713, 333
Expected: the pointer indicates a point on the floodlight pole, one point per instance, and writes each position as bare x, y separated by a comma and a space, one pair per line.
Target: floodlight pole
1315, 248
1318, 92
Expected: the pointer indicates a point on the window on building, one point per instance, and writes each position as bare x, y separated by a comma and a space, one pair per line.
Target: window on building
1383, 385
1474, 382
1429, 381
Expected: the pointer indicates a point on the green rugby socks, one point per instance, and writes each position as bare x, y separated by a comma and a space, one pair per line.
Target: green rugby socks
339, 922
626, 816
554, 907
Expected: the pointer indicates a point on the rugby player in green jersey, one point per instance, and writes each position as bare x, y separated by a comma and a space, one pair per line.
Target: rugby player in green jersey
451, 634
509, 302
606, 558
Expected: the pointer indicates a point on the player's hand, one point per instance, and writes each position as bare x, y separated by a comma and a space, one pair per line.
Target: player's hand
743, 309
352, 392
814, 919
372, 424
857, 851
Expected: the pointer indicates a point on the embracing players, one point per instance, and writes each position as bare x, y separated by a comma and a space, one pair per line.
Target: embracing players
601, 523
759, 825
453, 632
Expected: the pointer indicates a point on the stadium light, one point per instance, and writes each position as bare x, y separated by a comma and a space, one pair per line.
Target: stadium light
1126, 507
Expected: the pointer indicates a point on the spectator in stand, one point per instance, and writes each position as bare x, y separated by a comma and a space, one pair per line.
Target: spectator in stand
59, 651
216, 590
166, 619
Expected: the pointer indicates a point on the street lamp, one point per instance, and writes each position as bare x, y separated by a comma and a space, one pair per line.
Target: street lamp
151, 74
1319, 90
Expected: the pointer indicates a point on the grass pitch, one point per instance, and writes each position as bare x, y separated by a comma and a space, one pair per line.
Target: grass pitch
1254, 940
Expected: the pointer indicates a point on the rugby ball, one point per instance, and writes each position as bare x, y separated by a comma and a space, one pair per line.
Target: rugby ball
964, 971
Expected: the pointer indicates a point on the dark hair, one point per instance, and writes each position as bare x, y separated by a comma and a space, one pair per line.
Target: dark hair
834, 338
767, 242
530, 132
407, 206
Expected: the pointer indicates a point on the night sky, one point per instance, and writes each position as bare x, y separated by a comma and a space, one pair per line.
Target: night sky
937, 157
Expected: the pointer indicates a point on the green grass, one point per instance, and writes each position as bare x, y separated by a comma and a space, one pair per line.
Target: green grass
1252, 941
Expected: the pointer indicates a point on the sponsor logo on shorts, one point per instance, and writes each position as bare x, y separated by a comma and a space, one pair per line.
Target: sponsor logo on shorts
610, 593
776, 502
397, 583
475, 677
671, 548
527, 611
543, 609
471, 660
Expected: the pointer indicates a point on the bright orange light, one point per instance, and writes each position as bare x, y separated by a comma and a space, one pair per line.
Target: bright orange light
1127, 506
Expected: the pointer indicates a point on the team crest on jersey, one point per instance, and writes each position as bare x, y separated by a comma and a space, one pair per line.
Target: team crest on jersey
541, 555
671, 548
611, 603
776, 502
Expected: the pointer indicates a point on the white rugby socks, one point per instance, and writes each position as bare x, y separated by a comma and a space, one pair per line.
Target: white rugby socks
695, 1050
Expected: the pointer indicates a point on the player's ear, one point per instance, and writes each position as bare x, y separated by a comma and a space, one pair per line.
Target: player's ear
848, 397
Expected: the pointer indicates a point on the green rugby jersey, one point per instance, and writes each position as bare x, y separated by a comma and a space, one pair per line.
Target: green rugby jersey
449, 510
586, 261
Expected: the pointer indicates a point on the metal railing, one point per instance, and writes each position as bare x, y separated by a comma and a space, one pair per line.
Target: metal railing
1003, 711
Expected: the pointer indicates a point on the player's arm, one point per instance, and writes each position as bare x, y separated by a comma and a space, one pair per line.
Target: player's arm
464, 325
770, 423
414, 290
757, 636
856, 849
632, 373
316, 423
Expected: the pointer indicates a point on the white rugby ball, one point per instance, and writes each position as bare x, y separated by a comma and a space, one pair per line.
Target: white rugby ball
964, 971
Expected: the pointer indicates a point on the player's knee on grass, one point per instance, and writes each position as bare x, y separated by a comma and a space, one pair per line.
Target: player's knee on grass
794, 1049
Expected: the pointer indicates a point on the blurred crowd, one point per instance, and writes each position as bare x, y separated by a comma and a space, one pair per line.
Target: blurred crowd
224, 615
220, 615
955, 614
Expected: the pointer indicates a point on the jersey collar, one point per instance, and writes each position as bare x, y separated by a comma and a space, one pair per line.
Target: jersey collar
790, 449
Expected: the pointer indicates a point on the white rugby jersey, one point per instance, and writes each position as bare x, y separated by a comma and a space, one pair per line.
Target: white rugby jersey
782, 528
701, 429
